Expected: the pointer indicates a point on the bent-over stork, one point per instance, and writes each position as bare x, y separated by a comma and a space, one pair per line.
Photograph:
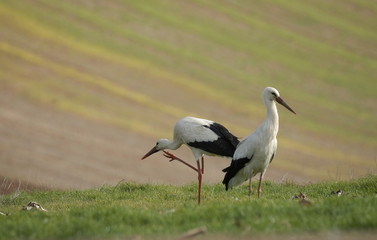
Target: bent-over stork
202, 137
256, 151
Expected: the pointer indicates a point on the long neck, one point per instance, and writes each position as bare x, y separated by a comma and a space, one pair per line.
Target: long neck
271, 123
172, 145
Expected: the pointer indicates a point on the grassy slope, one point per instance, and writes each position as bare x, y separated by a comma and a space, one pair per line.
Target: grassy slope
164, 210
105, 61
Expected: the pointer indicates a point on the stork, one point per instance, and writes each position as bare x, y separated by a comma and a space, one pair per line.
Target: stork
255, 152
202, 137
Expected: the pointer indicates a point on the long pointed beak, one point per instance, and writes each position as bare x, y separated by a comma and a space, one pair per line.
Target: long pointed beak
153, 150
281, 101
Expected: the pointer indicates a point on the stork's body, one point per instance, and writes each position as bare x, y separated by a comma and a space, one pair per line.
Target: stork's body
202, 137
256, 151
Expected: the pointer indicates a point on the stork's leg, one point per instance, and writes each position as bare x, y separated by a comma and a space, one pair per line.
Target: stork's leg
200, 182
198, 170
202, 164
260, 184
173, 157
250, 187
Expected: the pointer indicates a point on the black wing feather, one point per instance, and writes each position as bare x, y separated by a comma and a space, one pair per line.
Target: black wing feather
223, 133
225, 145
272, 157
233, 169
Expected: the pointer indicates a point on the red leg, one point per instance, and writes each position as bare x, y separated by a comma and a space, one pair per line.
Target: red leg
173, 157
198, 170
250, 187
202, 164
200, 182
260, 184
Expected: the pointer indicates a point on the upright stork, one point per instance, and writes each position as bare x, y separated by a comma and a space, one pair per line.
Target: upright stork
256, 151
202, 137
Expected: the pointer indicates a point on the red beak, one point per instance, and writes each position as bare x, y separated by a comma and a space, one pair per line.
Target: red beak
153, 150
281, 101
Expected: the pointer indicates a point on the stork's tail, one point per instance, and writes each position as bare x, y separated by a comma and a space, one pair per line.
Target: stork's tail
233, 169
226, 185
226, 178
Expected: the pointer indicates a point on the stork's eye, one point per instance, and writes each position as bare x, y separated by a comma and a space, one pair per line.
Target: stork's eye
274, 94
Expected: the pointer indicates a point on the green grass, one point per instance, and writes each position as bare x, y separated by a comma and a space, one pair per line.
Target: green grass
130, 209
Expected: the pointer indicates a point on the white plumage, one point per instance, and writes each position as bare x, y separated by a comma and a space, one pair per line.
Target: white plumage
190, 129
256, 151
202, 137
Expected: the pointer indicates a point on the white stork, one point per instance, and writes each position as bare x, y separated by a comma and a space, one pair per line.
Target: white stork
202, 137
256, 151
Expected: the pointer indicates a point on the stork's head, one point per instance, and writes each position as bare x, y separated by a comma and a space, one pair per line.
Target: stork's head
271, 94
160, 145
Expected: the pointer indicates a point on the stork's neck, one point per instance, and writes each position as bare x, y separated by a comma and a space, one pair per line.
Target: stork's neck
271, 123
172, 145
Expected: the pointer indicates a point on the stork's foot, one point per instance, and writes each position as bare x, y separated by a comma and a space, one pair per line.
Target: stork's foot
173, 157
170, 155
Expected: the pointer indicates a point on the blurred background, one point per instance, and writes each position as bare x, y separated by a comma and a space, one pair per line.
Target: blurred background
88, 87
